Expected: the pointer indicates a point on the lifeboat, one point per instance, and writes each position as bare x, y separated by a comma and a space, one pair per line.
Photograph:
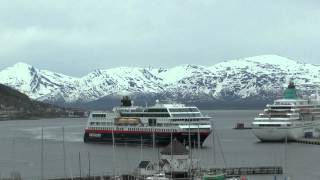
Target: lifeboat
127, 121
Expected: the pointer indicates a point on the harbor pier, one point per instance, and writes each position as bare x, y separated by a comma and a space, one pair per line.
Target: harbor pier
230, 172
239, 171
315, 141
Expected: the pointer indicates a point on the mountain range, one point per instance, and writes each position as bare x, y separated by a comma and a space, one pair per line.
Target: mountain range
246, 82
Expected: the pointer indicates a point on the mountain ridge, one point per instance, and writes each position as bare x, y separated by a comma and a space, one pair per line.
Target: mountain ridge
16, 105
258, 77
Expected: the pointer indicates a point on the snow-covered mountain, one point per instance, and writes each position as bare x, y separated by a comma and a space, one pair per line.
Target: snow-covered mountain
256, 78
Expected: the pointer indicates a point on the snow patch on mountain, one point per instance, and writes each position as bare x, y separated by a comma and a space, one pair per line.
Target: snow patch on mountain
253, 77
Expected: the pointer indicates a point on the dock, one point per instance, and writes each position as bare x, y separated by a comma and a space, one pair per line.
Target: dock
239, 171
122, 177
230, 172
315, 141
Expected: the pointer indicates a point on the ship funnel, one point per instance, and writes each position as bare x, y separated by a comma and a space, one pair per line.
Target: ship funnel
290, 92
126, 101
291, 85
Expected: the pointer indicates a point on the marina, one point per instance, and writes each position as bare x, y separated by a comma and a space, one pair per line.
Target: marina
159, 90
21, 146
230, 172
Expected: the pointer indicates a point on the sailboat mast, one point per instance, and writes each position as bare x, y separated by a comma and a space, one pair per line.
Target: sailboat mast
285, 157
42, 154
89, 166
171, 150
213, 145
80, 174
199, 136
154, 144
64, 155
190, 152
13, 155
113, 152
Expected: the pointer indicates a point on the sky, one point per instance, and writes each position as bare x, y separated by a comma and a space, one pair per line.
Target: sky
75, 37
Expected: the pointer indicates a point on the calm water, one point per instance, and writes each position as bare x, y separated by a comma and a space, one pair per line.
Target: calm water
20, 149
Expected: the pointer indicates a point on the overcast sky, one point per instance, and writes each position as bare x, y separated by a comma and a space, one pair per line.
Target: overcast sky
77, 36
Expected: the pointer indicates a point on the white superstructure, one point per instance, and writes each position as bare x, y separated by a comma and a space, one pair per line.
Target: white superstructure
289, 118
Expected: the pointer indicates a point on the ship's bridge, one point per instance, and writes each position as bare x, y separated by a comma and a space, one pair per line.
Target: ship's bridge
293, 102
168, 105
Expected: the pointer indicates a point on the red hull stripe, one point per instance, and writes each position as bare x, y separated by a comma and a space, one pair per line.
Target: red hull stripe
137, 132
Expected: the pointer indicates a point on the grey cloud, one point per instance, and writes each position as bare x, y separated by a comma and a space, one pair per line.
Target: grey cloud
77, 36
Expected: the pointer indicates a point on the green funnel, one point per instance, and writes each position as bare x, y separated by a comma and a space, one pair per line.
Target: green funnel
290, 92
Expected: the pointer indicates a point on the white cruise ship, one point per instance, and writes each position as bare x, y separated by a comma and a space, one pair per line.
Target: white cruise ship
156, 124
289, 118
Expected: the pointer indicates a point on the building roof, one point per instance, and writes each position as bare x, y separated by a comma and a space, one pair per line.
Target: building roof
163, 162
177, 149
144, 164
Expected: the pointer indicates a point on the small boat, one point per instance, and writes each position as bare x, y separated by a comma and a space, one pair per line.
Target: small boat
159, 176
214, 176
241, 126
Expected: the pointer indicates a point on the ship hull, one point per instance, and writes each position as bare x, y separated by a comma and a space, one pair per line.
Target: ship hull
145, 138
280, 134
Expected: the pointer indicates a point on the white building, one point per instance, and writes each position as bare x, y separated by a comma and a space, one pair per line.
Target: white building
175, 160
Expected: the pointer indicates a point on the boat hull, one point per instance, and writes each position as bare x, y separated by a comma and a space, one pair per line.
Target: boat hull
280, 134
145, 138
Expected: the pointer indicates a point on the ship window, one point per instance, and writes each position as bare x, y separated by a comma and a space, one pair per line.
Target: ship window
281, 107
269, 125
183, 110
156, 110
186, 115
152, 122
98, 115
144, 115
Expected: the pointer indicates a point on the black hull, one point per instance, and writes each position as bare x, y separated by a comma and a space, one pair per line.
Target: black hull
144, 138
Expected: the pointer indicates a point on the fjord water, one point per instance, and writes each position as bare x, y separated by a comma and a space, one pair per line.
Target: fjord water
20, 149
